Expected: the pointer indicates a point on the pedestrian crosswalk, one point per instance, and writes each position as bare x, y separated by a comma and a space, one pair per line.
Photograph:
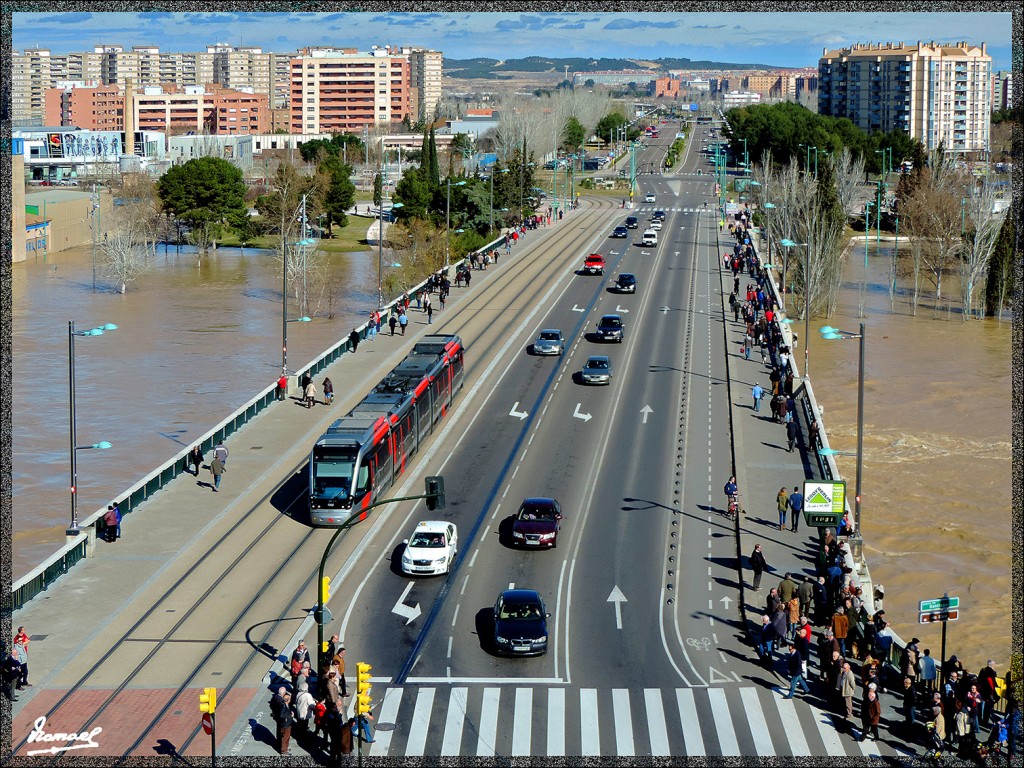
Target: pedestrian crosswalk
653, 208
555, 721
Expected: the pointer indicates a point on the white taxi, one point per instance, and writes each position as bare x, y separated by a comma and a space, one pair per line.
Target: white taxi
432, 548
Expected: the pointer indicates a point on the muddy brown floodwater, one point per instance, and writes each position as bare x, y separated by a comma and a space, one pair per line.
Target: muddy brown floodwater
192, 346
937, 446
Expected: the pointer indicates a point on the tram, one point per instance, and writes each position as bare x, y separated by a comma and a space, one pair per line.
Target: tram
359, 457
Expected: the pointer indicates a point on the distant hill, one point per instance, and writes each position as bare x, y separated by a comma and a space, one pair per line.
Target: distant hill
498, 69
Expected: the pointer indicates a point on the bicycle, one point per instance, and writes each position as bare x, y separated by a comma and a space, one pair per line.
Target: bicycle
733, 506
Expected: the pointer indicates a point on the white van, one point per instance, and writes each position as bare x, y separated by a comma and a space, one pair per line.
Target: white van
649, 237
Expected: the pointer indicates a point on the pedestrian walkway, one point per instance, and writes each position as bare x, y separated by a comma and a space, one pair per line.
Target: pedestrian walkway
554, 721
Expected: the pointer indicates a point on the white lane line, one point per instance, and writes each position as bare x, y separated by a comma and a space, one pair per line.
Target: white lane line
388, 714
456, 614
449, 654
590, 734
473, 558
420, 725
452, 743
791, 726
488, 731
483, 538
556, 722
723, 722
755, 719
522, 722
623, 722
656, 728
692, 740
465, 581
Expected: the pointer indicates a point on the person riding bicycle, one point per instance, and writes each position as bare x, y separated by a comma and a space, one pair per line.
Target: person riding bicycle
732, 494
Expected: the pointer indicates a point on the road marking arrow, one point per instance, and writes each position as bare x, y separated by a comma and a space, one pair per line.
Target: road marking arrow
620, 310
407, 611
578, 415
663, 310
578, 309
726, 600
618, 598
646, 411
518, 414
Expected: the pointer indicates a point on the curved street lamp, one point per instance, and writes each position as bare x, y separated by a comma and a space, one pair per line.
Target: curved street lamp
73, 529
828, 332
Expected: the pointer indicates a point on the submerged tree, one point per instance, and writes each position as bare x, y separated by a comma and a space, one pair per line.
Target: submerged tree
204, 194
124, 249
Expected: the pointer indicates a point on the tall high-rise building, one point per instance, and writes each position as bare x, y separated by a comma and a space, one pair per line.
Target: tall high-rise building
1002, 90
30, 77
936, 93
425, 70
344, 90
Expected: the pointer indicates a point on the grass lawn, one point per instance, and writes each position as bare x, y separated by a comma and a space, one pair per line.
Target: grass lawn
348, 239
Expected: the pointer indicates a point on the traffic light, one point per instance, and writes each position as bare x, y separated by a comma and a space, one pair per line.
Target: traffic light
435, 492
208, 700
363, 688
325, 590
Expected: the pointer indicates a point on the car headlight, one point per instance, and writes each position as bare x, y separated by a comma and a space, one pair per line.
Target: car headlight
406, 559
501, 640
542, 639
441, 560
545, 536
517, 535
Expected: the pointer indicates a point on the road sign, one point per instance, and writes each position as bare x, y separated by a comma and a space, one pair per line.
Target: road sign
937, 616
695, 107
825, 497
939, 604
208, 724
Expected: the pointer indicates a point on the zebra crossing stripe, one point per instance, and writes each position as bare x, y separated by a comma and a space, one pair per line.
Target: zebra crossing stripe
723, 722
656, 722
420, 725
756, 721
452, 743
522, 721
791, 726
623, 723
388, 714
590, 734
691, 724
488, 734
869, 748
556, 722
829, 736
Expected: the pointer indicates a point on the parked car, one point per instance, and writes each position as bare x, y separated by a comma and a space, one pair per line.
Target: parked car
537, 522
549, 342
609, 328
597, 370
520, 623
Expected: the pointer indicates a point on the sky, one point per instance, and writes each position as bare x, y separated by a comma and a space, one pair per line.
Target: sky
774, 39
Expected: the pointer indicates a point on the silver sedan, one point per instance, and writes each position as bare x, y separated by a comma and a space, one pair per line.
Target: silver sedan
549, 342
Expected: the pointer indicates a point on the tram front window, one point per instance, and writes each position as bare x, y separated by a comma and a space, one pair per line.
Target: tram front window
332, 474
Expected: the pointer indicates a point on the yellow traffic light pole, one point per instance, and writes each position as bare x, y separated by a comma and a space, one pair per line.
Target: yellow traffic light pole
364, 704
208, 705
435, 500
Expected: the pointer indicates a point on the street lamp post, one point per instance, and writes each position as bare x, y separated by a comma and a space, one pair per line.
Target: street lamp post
447, 217
828, 332
73, 529
867, 232
808, 166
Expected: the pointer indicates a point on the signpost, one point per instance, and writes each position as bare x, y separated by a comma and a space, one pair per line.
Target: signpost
824, 503
940, 609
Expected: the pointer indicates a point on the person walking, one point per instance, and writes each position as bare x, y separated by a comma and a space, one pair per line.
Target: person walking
328, 391
21, 654
403, 320
757, 393
767, 641
220, 451
796, 506
782, 504
216, 470
792, 432
392, 322
430, 312
871, 714
758, 566
310, 395
805, 591
794, 665
195, 458
371, 327
112, 521
353, 339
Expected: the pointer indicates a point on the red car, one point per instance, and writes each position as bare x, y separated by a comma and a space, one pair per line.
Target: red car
537, 522
593, 264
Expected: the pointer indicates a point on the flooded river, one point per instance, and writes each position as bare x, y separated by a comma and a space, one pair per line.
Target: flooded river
194, 344
937, 447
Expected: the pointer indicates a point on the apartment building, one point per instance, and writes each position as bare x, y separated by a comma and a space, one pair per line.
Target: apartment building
87, 105
667, 88
934, 92
425, 71
1002, 90
344, 90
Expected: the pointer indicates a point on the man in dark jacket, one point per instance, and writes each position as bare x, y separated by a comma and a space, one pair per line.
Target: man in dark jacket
794, 665
806, 594
758, 566
281, 711
792, 433
787, 588
987, 688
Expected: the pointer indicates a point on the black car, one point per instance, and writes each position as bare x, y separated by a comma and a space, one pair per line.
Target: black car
620, 231
632, 222
609, 328
659, 215
520, 623
626, 283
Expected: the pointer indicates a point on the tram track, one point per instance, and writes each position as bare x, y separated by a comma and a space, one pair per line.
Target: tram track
493, 312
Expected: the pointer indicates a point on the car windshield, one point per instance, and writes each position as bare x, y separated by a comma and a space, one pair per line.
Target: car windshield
612, 322
541, 514
548, 336
520, 611
597, 364
429, 540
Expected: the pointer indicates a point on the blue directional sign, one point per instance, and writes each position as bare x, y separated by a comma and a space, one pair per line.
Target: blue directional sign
695, 107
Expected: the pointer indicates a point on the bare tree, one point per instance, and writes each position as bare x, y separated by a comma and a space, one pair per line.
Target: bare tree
124, 249
417, 250
849, 177
980, 241
933, 214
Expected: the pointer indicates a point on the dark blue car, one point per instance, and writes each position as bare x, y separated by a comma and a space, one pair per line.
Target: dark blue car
520, 623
